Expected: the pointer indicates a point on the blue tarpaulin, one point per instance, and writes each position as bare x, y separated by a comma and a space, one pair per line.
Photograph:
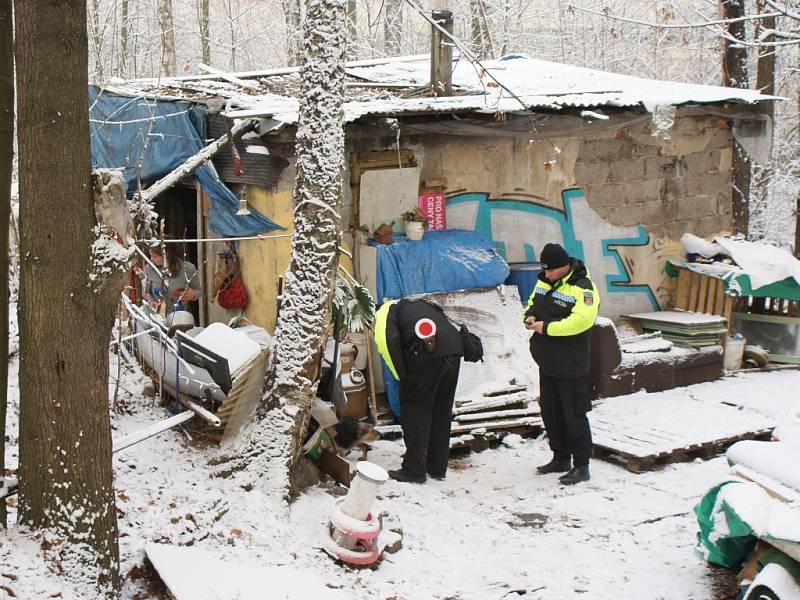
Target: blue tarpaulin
154, 137
442, 261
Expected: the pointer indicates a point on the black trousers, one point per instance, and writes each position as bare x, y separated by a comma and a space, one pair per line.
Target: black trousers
564, 403
426, 412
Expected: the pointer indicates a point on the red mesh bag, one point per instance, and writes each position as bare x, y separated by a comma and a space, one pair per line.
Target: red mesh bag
234, 295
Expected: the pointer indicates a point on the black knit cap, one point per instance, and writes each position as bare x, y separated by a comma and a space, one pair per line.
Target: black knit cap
554, 256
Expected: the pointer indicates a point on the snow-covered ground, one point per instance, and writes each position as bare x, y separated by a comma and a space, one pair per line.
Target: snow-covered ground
492, 530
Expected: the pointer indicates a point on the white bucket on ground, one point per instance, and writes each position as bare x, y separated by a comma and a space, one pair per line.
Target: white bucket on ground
734, 352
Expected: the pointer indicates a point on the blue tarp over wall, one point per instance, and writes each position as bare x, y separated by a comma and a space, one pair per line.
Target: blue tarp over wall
172, 131
442, 261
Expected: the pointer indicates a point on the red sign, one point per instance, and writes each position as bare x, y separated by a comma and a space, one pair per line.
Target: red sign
433, 207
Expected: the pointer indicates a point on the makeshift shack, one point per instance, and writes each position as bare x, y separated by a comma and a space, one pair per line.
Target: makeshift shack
615, 168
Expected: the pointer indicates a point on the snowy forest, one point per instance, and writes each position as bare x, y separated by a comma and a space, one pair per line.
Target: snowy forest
108, 492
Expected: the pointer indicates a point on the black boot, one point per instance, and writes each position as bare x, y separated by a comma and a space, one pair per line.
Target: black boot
401, 475
557, 465
576, 475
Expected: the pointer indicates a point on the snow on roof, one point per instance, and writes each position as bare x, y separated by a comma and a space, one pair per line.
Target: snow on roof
395, 86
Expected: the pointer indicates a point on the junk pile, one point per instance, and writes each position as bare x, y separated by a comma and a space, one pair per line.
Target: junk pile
752, 521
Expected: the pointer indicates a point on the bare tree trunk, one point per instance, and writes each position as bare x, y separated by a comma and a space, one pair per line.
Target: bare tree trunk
734, 74
97, 42
6, 167
392, 27
65, 310
273, 448
123, 38
765, 83
797, 227
481, 37
167, 25
205, 40
351, 49
294, 51
229, 8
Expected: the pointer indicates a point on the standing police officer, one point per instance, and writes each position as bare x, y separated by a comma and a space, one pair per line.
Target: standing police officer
423, 351
561, 312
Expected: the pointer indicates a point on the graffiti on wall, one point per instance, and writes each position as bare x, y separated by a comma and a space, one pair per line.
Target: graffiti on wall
616, 256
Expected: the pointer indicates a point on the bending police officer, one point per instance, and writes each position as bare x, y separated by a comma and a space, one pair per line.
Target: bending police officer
423, 351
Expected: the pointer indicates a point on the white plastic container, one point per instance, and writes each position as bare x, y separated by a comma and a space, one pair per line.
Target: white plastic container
414, 230
734, 352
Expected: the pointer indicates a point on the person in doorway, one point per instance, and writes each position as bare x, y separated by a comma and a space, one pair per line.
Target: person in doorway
561, 312
423, 351
180, 284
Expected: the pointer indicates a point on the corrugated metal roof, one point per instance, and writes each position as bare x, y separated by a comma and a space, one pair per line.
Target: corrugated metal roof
537, 84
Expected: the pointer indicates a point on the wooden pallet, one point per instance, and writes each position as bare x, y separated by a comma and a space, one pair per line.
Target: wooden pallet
704, 294
704, 450
642, 431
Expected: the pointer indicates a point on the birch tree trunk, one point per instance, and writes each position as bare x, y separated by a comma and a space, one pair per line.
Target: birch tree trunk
274, 443
167, 25
6, 167
65, 310
392, 27
203, 22
734, 74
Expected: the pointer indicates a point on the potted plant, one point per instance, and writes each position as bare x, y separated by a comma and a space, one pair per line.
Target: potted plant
416, 223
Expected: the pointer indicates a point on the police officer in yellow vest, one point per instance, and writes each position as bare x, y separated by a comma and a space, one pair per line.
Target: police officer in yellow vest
423, 351
561, 312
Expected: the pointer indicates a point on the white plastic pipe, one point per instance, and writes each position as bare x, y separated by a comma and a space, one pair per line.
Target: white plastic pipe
363, 489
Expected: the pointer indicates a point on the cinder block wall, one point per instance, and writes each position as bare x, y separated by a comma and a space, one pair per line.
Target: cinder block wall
670, 186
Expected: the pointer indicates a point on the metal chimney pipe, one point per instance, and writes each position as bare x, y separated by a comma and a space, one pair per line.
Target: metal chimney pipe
442, 54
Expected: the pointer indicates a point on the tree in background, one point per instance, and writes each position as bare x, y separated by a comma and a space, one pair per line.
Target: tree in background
6, 166
392, 27
70, 281
167, 28
203, 23
293, 20
734, 74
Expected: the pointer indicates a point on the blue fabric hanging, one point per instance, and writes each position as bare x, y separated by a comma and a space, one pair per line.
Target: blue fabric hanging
154, 137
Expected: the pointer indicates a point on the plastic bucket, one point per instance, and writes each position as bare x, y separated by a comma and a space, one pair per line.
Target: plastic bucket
734, 352
319, 440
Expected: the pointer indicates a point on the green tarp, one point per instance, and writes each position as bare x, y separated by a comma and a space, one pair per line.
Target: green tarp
729, 543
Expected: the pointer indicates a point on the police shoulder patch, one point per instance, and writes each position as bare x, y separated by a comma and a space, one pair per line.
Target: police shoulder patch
588, 297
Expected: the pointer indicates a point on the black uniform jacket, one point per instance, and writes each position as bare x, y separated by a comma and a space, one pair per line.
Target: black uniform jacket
406, 350
568, 308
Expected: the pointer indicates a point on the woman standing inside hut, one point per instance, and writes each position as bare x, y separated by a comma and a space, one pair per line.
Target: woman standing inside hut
178, 284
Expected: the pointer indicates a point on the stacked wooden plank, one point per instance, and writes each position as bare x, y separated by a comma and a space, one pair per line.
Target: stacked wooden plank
482, 422
683, 328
